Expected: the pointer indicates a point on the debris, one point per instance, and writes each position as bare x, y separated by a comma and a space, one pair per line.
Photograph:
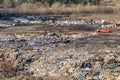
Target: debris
104, 31
81, 22
85, 55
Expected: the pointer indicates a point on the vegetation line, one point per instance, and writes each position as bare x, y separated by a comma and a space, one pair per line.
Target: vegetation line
55, 7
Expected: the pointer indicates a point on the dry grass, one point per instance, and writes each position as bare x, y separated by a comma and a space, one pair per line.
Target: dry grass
58, 8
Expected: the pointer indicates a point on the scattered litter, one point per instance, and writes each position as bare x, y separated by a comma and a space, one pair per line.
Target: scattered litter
82, 56
104, 31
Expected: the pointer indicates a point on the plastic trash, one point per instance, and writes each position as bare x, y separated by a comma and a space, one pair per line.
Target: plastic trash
104, 31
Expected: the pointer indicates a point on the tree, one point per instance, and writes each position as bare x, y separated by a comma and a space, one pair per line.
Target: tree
14, 3
6, 3
50, 1
1, 1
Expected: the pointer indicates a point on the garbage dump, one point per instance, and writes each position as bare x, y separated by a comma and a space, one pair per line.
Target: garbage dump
75, 56
67, 22
59, 52
56, 20
109, 24
27, 19
7, 25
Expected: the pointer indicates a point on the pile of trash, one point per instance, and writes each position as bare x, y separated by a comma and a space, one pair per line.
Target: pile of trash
68, 23
26, 20
57, 55
55, 20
